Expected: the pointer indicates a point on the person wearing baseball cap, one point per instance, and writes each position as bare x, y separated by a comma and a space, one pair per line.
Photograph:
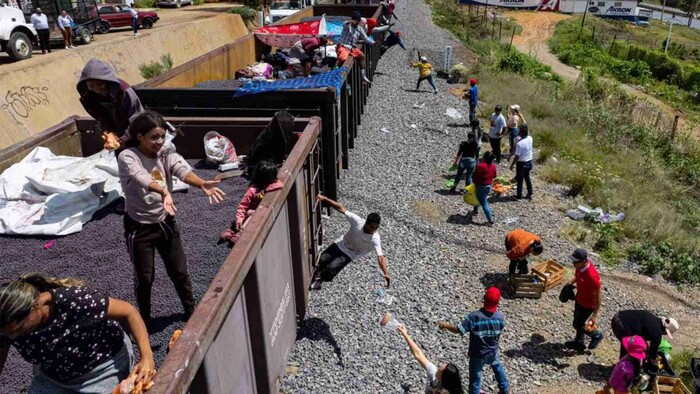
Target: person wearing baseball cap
472, 95
390, 39
484, 327
425, 71
589, 299
646, 325
352, 33
629, 366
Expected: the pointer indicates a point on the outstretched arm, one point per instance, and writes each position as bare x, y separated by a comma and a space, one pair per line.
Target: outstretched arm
209, 188
385, 270
449, 327
417, 352
336, 205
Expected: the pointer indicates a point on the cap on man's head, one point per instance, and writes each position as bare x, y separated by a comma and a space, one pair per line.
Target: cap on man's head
670, 324
356, 16
423, 59
472, 81
579, 255
491, 299
499, 108
515, 107
398, 33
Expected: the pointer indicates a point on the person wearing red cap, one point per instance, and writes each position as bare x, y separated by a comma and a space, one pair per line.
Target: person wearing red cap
392, 38
472, 95
629, 366
484, 327
589, 299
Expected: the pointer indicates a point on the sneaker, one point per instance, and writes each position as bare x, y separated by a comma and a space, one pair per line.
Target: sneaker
435, 91
67, 47
315, 285
595, 340
528, 197
365, 80
72, 46
579, 346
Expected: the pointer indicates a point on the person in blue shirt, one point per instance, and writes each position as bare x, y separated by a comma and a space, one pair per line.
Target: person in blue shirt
484, 327
472, 95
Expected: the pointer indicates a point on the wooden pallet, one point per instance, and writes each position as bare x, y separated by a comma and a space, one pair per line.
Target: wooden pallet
669, 385
550, 273
526, 288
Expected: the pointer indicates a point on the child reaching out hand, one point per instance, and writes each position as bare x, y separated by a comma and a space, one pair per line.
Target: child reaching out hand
425, 70
264, 181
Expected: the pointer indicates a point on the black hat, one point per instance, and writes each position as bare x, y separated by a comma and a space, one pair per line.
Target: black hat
579, 255
499, 107
356, 16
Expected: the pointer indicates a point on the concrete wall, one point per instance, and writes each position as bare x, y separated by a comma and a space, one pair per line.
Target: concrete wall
38, 93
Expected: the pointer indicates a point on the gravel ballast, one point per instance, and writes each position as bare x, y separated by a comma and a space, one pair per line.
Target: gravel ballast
98, 254
440, 262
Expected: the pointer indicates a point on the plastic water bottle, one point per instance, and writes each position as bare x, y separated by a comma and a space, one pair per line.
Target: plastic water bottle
389, 322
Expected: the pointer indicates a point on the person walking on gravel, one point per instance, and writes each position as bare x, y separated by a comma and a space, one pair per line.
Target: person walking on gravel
446, 377
498, 127
629, 366
520, 244
523, 163
72, 335
41, 25
361, 238
648, 326
483, 177
472, 95
466, 160
146, 174
589, 299
425, 71
484, 327
351, 34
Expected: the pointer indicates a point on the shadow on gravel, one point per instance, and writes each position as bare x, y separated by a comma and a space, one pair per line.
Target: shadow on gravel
495, 199
445, 192
416, 91
316, 329
499, 280
460, 219
160, 323
538, 351
595, 372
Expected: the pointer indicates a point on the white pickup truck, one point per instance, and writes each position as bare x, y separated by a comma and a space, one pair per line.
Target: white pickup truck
283, 8
16, 36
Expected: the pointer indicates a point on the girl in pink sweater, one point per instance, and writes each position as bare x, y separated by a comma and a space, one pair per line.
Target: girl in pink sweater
264, 181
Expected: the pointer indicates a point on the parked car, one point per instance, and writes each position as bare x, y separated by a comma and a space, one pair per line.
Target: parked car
174, 3
119, 15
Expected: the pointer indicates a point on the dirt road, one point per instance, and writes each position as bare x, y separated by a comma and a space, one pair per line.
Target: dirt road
168, 16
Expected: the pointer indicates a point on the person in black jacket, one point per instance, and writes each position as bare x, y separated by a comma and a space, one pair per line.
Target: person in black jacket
648, 326
466, 160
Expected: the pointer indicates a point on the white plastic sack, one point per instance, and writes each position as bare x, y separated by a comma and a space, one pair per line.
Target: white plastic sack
219, 149
453, 114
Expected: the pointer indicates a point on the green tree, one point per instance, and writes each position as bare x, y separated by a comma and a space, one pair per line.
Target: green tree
691, 7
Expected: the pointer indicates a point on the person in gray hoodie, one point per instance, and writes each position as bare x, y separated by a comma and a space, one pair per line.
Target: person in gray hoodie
110, 100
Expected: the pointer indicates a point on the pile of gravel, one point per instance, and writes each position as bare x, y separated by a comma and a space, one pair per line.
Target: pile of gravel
441, 262
98, 255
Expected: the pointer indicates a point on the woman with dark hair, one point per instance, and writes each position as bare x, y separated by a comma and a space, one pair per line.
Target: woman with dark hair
264, 181
71, 334
444, 378
483, 177
146, 173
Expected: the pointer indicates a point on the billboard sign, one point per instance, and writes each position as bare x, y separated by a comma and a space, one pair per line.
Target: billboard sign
526, 4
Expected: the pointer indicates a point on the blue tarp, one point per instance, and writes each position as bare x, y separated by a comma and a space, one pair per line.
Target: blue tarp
332, 79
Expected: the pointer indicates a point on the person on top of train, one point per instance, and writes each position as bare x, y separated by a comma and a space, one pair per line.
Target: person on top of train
110, 100
361, 238
353, 32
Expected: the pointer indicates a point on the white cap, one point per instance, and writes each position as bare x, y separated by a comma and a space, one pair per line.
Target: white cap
515, 107
670, 324
423, 59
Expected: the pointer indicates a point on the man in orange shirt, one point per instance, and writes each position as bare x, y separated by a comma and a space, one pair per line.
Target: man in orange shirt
519, 245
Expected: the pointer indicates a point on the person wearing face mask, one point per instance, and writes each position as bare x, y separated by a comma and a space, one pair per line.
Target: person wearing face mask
41, 24
110, 100
71, 334
146, 173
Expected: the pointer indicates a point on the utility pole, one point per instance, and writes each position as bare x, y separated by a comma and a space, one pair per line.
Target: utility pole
668, 37
583, 22
663, 8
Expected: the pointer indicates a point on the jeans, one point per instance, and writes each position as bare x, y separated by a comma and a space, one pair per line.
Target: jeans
522, 171
496, 147
472, 113
512, 133
466, 164
44, 35
482, 192
102, 379
135, 24
476, 367
331, 262
431, 81
581, 316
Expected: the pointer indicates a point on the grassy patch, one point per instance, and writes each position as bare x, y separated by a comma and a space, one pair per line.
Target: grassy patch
246, 13
156, 68
680, 360
600, 157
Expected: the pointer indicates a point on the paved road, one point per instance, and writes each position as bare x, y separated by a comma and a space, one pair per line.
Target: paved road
168, 16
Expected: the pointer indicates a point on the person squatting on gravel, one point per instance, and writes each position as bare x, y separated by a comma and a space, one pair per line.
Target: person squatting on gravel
483, 177
146, 174
522, 161
304, 51
361, 238
392, 38
71, 334
264, 181
520, 244
646, 325
108, 99
445, 378
589, 299
472, 96
352, 32
498, 127
628, 368
484, 327
466, 160
425, 71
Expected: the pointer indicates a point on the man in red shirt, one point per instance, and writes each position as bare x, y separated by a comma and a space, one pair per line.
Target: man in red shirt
589, 298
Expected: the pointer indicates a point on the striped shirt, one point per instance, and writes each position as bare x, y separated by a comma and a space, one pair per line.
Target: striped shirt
484, 330
351, 33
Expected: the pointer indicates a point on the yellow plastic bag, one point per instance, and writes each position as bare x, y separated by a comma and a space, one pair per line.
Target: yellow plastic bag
470, 195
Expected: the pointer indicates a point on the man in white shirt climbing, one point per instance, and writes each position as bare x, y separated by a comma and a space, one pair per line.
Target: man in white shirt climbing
361, 238
523, 162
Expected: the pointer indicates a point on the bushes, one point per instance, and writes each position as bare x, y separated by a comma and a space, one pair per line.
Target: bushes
246, 13
520, 63
156, 68
145, 3
197, 2
665, 260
